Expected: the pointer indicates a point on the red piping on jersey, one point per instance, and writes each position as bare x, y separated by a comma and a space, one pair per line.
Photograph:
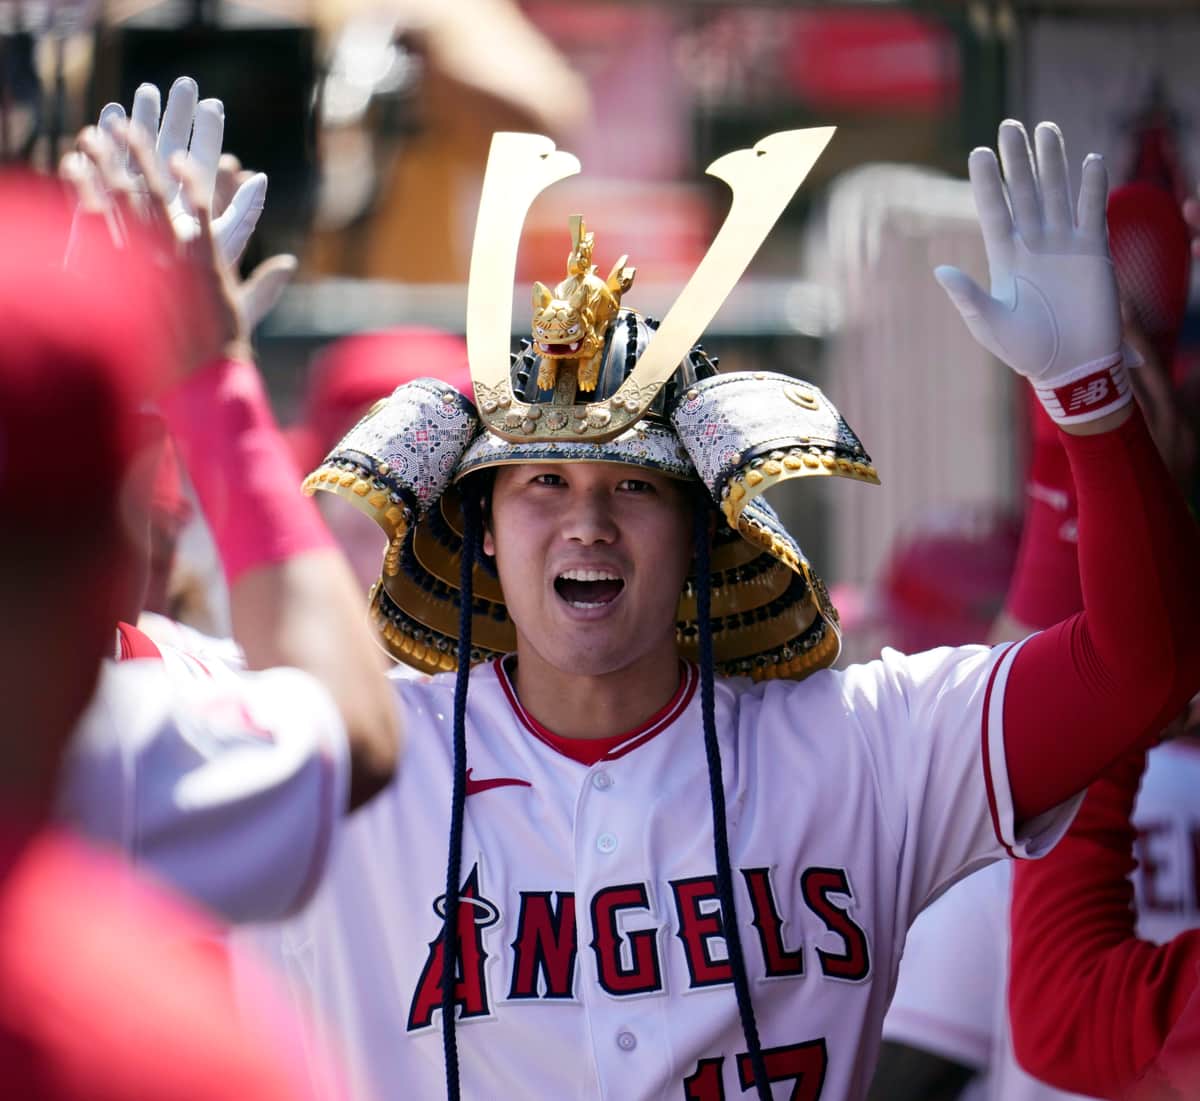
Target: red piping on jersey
588, 751
135, 643
987, 760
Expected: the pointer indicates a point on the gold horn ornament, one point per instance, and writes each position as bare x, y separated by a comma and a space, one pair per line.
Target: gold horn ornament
520, 166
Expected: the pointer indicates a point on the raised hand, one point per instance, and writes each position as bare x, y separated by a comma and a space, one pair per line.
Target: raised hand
261, 290
1053, 313
201, 294
194, 128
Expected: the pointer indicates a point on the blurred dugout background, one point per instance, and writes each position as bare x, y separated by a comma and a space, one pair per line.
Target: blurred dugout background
372, 118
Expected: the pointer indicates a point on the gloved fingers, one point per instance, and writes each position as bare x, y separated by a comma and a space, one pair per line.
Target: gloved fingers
991, 205
266, 283
230, 176
190, 214
969, 298
205, 153
1093, 200
1054, 178
233, 228
106, 157
111, 115
176, 129
144, 160
147, 105
1017, 162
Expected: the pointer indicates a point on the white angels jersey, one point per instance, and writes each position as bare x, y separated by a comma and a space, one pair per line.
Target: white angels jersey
593, 963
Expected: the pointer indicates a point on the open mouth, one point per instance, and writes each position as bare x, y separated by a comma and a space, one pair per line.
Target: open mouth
588, 588
559, 349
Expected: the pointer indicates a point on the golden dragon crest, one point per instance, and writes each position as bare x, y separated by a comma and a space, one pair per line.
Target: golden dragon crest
569, 323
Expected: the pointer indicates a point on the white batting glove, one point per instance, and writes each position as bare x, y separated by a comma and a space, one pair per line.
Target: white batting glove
1053, 314
195, 129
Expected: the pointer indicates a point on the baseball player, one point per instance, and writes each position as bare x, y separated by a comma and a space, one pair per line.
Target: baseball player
951, 1001
650, 845
1106, 1011
229, 787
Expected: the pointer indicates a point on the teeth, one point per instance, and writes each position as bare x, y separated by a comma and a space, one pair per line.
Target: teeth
588, 575
574, 347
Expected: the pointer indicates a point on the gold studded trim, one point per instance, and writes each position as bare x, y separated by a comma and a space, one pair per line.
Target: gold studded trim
392, 516
438, 613
754, 479
739, 596
810, 642
404, 640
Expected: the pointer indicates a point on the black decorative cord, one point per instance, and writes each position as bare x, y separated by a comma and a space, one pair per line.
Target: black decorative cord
458, 797
733, 937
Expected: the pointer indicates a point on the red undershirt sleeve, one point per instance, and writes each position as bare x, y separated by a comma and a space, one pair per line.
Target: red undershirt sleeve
1045, 581
1090, 1004
1108, 679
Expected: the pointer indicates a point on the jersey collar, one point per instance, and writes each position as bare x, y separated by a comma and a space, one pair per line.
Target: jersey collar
590, 751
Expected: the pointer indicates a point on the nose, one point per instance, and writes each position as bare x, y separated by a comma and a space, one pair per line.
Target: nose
587, 517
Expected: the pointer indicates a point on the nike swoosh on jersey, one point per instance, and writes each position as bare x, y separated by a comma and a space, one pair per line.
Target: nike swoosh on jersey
476, 786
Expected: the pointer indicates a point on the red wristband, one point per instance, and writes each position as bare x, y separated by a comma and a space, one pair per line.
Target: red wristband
243, 472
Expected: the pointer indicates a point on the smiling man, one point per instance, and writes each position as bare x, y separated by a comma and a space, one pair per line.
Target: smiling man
648, 844
595, 556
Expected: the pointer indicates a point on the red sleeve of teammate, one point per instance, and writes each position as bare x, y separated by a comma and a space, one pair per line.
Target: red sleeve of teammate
1109, 679
1045, 582
1090, 1004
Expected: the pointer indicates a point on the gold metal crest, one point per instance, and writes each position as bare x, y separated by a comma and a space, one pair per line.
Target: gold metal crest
521, 166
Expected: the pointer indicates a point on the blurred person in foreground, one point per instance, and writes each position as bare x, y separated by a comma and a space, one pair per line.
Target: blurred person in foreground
231, 788
104, 991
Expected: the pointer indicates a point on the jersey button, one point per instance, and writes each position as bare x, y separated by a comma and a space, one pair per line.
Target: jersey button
626, 1041
602, 781
606, 843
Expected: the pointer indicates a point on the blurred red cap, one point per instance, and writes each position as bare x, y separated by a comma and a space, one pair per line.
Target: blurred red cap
80, 351
354, 372
947, 576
